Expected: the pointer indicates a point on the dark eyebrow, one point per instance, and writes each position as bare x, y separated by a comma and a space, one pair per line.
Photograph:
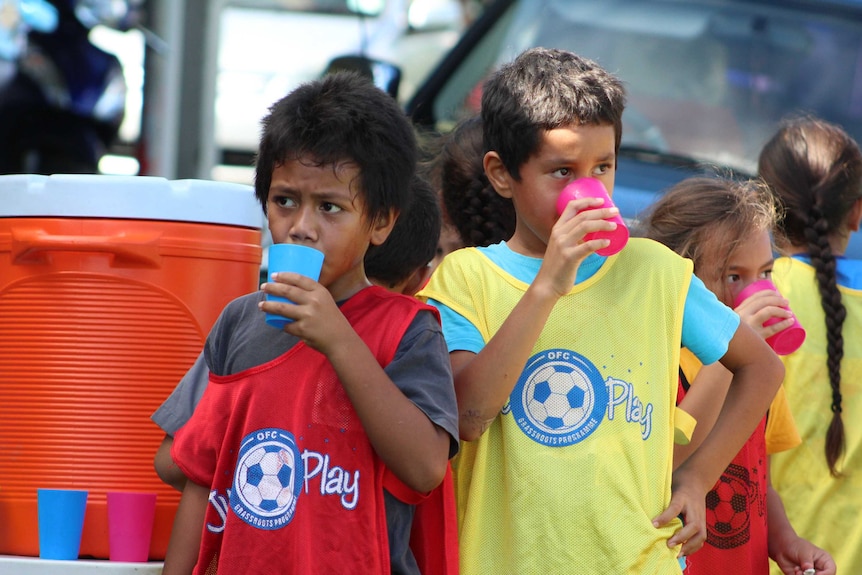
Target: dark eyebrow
767, 264
562, 160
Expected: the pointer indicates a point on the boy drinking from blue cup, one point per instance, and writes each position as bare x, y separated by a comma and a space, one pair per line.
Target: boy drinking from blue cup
302, 435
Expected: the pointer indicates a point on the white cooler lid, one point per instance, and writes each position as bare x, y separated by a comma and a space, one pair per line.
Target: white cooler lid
129, 197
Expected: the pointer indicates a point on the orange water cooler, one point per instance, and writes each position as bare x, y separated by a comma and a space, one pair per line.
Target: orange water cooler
108, 287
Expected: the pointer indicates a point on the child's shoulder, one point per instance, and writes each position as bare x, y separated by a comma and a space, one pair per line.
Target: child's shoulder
241, 309
646, 245
385, 301
650, 252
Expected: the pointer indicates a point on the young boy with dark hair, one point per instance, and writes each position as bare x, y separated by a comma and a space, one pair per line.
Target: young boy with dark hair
402, 263
566, 362
302, 435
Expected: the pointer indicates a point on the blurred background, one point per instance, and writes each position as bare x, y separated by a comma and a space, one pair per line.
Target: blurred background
177, 88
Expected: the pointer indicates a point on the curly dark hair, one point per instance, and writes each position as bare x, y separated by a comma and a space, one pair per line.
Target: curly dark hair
342, 117
413, 240
481, 216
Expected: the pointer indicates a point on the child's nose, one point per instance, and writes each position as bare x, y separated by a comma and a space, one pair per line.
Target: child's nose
739, 286
302, 227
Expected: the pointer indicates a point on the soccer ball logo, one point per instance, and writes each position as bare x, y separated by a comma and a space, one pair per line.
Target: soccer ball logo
728, 509
267, 479
558, 398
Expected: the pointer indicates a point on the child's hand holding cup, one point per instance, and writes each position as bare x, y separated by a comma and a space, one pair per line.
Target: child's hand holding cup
295, 258
593, 188
785, 341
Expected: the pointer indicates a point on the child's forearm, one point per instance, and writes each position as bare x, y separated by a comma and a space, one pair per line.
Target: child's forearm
779, 530
484, 381
408, 442
184, 544
757, 374
703, 402
792, 553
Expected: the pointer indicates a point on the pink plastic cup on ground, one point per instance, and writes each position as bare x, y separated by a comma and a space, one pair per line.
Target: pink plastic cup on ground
130, 525
593, 188
785, 341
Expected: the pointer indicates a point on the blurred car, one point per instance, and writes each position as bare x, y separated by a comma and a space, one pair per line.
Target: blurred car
708, 80
268, 47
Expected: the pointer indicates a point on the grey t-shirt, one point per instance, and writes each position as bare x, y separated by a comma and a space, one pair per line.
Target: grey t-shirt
241, 339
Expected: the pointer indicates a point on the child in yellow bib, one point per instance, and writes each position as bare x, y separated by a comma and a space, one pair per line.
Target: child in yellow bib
724, 226
566, 362
815, 170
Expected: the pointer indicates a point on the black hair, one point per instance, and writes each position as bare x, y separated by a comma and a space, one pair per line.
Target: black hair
545, 89
339, 118
815, 171
413, 240
481, 216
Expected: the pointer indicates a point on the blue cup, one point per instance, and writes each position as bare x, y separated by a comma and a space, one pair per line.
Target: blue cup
61, 522
291, 258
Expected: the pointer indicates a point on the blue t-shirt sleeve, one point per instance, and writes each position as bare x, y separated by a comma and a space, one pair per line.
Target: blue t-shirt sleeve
460, 334
707, 324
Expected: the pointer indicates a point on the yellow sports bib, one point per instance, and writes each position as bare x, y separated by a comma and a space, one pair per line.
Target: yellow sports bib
821, 508
569, 476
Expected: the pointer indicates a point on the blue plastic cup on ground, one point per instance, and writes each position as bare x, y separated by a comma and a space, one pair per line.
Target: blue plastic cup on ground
61, 522
291, 258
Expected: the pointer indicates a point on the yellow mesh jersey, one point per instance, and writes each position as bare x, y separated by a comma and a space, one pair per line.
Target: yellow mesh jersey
781, 433
822, 509
569, 476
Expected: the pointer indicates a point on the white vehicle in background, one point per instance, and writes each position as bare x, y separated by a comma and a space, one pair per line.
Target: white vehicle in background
265, 48
268, 47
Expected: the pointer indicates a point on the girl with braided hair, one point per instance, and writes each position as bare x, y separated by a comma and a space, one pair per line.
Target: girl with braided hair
815, 171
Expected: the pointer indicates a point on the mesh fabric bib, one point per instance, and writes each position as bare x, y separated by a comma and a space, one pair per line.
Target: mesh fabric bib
569, 476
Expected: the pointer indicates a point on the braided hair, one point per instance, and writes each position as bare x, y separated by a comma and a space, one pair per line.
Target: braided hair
815, 171
481, 216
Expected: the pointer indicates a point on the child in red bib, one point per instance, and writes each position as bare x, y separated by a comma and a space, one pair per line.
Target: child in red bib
724, 227
288, 458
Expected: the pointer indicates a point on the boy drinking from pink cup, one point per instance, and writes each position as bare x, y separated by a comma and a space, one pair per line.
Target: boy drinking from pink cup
593, 188
566, 361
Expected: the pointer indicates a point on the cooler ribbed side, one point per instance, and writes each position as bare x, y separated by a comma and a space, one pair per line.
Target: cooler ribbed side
84, 361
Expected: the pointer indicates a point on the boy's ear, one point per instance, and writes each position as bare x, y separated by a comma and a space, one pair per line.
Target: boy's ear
382, 226
417, 280
497, 174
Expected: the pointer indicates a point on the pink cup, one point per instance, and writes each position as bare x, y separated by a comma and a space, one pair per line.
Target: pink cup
130, 525
593, 188
785, 341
